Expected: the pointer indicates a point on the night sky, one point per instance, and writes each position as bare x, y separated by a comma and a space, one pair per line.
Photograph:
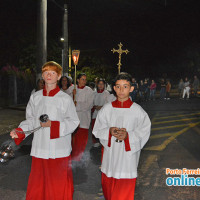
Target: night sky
162, 38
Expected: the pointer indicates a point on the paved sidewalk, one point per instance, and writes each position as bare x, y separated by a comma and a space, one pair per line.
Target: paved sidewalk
10, 119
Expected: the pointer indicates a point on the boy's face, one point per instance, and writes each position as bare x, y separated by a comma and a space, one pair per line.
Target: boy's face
50, 77
82, 81
122, 89
101, 85
64, 81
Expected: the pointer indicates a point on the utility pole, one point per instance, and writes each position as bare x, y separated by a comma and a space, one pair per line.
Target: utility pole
41, 37
65, 42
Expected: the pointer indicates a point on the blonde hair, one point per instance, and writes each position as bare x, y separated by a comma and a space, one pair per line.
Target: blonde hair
53, 66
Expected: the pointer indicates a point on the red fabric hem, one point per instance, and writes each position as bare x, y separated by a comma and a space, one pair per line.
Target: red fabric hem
79, 142
21, 136
127, 144
109, 139
55, 130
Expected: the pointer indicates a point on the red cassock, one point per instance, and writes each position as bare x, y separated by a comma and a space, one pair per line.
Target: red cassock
118, 189
50, 179
79, 142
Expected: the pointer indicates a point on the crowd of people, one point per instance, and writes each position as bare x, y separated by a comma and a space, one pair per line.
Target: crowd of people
145, 90
150, 90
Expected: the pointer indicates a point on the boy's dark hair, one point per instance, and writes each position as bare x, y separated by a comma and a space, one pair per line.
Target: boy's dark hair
104, 82
123, 76
80, 75
101, 80
92, 84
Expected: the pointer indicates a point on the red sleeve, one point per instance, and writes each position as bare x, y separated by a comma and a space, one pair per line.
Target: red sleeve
109, 139
55, 130
127, 144
21, 136
93, 109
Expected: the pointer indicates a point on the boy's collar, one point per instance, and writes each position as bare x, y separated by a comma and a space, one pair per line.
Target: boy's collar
100, 91
118, 104
81, 87
52, 92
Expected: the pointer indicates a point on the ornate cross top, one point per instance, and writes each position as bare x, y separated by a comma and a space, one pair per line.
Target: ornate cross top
120, 51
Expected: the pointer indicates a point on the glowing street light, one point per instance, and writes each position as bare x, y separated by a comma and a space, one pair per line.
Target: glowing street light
75, 57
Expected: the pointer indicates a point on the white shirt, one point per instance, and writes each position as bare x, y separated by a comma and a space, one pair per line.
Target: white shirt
187, 84
117, 162
59, 107
100, 99
84, 99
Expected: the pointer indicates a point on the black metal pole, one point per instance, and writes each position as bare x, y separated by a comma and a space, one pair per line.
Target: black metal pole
65, 42
41, 37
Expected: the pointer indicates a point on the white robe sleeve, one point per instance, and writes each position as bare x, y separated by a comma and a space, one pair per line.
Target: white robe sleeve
71, 120
86, 105
141, 134
28, 124
70, 91
101, 128
69, 123
109, 97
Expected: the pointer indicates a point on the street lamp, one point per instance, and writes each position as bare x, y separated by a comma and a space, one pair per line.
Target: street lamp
75, 57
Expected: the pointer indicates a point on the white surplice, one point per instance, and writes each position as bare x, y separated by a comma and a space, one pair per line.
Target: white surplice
100, 99
59, 108
84, 99
117, 162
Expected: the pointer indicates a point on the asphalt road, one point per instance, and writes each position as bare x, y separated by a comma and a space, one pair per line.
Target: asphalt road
174, 143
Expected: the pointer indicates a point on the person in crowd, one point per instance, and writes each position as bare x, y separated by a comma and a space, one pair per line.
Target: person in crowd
51, 173
39, 85
83, 97
146, 89
133, 94
168, 89
95, 81
162, 89
186, 89
64, 84
180, 88
123, 128
141, 90
195, 85
101, 97
152, 90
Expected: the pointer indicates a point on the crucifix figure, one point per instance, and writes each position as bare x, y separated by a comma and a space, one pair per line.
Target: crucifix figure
120, 51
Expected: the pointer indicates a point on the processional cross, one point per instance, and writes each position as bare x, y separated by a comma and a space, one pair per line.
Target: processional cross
120, 51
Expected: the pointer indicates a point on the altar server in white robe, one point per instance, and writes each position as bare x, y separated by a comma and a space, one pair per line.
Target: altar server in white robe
123, 128
83, 97
101, 97
51, 174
